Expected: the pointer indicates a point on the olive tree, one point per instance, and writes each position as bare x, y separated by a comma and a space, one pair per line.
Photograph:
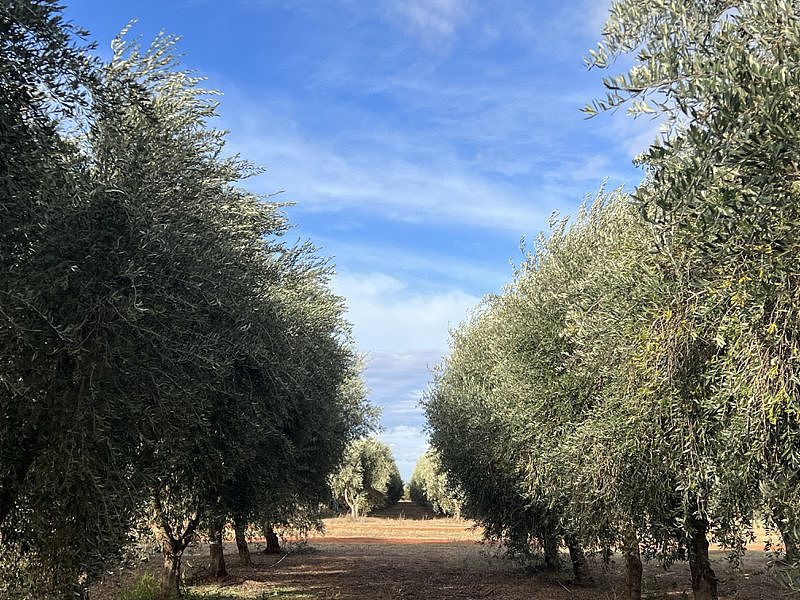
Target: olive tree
152, 319
364, 476
429, 486
394, 487
478, 429
660, 347
283, 478
558, 369
200, 282
619, 476
64, 437
271, 396
722, 190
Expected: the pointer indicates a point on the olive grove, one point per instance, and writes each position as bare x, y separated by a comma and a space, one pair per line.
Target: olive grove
635, 387
429, 486
367, 478
167, 358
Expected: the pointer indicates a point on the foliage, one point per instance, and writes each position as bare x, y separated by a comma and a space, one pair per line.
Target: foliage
722, 190
162, 346
636, 385
476, 446
394, 487
364, 477
146, 587
550, 393
429, 486
64, 441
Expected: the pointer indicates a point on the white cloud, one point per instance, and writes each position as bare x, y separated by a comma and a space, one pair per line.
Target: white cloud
429, 19
486, 157
387, 315
407, 444
397, 381
595, 14
475, 274
635, 135
405, 334
323, 179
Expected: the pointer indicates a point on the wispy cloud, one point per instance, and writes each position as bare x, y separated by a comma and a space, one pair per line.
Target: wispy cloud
470, 169
407, 444
325, 178
397, 381
388, 315
430, 20
424, 269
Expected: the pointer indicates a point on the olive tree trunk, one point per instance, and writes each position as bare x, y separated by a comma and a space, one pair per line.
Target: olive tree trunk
791, 545
352, 502
216, 568
633, 568
580, 567
271, 539
552, 560
171, 573
172, 545
704, 581
786, 526
239, 526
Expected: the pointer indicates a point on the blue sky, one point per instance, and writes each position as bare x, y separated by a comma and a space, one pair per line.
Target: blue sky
419, 139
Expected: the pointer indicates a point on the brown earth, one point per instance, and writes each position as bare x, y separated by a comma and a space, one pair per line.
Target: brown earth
405, 553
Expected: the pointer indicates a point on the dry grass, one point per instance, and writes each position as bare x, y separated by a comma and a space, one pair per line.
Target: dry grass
405, 553
402, 523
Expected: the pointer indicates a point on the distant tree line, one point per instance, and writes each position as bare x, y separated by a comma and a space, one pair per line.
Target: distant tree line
636, 386
167, 359
430, 486
368, 478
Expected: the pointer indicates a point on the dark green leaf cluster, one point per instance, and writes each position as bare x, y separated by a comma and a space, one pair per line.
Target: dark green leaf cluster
637, 385
531, 384
429, 486
722, 189
367, 478
165, 354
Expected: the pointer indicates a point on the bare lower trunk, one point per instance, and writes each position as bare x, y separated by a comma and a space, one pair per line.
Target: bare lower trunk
241, 543
271, 538
173, 543
786, 525
352, 503
171, 573
550, 547
633, 569
704, 581
217, 567
579, 565
791, 546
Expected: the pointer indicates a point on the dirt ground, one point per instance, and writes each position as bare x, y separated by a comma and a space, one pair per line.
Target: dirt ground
405, 553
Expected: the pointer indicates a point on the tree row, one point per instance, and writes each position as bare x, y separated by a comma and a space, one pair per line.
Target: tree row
635, 387
168, 361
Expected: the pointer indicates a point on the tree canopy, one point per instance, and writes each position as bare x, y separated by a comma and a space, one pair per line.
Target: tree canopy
429, 486
166, 353
635, 386
367, 478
